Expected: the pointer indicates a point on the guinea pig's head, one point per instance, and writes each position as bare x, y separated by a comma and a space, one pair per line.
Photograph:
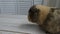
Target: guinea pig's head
33, 14
38, 13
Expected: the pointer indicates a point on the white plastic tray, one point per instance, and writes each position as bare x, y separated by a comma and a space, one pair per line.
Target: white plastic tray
9, 24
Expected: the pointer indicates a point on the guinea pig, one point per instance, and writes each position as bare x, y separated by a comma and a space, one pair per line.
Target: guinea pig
46, 17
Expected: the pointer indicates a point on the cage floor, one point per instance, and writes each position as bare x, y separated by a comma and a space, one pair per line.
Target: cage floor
18, 24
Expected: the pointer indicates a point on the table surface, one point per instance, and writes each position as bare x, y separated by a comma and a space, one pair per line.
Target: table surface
18, 24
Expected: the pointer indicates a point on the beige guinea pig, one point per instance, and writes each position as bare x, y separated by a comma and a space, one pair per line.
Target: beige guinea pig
47, 17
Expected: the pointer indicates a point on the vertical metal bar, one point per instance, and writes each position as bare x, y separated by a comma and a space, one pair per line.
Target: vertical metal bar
42, 2
17, 6
33, 2
0, 10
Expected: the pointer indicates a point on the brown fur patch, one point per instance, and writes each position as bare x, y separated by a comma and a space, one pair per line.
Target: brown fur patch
52, 24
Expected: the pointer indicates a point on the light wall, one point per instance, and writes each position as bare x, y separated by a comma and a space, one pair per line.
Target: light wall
54, 3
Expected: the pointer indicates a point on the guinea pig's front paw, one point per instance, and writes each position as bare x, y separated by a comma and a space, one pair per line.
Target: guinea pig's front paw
48, 32
52, 33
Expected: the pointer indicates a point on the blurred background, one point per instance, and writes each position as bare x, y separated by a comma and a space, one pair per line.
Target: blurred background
20, 7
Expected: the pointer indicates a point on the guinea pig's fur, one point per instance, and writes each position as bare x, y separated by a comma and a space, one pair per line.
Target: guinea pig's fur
48, 18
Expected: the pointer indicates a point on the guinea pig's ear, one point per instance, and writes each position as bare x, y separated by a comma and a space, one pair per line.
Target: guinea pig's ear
54, 8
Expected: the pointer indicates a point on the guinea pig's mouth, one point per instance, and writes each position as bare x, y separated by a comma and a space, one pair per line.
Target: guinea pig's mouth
34, 17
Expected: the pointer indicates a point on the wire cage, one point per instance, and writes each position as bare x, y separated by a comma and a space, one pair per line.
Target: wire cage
17, 7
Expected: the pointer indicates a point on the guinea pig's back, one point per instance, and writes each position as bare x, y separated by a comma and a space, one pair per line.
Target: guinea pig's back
53, 26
